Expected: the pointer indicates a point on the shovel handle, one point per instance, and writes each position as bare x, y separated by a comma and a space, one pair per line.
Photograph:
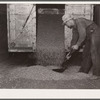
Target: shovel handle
70, 53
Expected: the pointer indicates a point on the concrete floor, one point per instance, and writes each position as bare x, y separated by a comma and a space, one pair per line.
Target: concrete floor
14, 74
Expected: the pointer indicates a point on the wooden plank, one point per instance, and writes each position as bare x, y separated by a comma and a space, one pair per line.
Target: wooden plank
8, 25
12, 22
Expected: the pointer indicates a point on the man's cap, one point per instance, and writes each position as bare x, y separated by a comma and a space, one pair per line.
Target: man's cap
66, 18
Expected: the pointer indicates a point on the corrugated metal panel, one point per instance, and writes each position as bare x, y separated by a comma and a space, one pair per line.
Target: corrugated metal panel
76, 10
21, 27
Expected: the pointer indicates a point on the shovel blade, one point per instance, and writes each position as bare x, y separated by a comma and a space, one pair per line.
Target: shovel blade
61, 70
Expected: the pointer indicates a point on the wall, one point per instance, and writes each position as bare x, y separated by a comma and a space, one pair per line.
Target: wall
22, 26
76, 11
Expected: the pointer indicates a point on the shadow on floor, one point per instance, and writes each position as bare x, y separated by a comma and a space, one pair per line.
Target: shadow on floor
29, 59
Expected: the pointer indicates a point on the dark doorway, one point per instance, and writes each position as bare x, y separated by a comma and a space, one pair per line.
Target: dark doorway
3, 28
50, 31
96, 16
58, 6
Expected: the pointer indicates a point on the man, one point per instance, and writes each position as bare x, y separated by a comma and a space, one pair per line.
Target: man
88, 33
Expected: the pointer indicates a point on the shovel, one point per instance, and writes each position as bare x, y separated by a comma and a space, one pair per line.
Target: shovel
63, 68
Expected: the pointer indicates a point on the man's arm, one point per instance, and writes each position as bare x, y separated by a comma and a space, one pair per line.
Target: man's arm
82, 32
75, 37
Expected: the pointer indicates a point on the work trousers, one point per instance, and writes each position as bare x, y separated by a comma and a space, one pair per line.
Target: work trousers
91, 51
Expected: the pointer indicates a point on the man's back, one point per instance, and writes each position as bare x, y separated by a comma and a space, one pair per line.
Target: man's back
83, 21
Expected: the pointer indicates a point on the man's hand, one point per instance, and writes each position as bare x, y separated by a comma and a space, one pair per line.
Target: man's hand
75, 47
68, 56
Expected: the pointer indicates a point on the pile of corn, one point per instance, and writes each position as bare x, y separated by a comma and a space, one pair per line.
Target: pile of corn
44, 73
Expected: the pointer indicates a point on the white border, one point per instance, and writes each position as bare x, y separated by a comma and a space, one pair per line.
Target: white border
51, 2
50, 93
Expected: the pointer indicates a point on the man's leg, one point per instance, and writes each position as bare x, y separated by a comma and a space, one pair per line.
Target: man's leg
95, 54
87, 61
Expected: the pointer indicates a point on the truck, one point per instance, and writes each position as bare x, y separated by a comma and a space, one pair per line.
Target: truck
22, 22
